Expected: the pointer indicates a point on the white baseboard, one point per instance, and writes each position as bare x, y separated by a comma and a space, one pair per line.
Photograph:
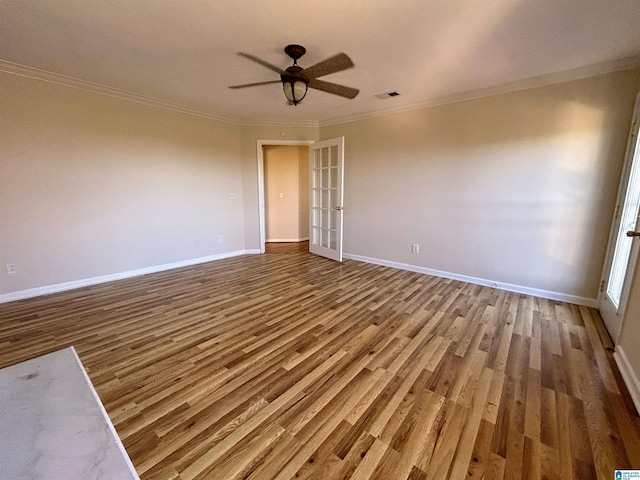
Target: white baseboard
286, 240
563, 297
61, 287
629, 376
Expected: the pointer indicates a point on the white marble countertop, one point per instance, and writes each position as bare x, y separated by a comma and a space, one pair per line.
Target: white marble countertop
53, 425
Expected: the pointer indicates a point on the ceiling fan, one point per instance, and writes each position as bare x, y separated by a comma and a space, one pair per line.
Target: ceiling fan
295, 79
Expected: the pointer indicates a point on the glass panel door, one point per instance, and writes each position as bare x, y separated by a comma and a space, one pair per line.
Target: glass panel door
326, 172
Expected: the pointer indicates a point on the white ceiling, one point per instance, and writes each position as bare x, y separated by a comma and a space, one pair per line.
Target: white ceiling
184, 51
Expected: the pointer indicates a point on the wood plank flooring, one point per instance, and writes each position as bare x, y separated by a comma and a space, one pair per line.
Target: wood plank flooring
287, 365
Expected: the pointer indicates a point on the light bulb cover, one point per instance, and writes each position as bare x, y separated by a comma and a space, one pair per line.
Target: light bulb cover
294, 84
295, 89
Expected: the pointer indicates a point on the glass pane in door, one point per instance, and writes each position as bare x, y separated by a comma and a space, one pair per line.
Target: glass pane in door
628, 220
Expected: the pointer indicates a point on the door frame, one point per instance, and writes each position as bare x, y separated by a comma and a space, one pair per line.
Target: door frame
623, 187
261, 200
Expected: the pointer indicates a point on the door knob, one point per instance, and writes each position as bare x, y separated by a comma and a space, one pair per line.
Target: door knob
631, 233
340, 208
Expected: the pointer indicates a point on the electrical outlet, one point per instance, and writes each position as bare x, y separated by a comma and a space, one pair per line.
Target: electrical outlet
11, 268
233, 196
415, 248
219, 238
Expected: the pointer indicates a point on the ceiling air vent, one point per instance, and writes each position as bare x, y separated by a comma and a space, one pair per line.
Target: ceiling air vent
382, 96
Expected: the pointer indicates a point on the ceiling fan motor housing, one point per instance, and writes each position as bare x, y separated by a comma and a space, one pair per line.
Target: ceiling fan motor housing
293, 73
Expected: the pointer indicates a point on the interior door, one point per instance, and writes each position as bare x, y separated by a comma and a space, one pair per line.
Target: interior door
625, 238
326, 170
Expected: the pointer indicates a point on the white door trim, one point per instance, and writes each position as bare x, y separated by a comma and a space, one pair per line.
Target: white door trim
261, 200
611, 316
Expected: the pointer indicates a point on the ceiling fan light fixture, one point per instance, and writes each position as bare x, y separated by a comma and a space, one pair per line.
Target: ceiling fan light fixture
296, 80
294, 89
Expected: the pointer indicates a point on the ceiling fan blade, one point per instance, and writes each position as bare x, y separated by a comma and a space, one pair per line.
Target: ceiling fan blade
334, 64
333, 88
255, 84
262, 62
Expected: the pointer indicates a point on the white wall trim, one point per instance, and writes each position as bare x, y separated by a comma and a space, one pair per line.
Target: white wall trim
260, 143
287, 240
523, 84
72, 82
629, 376
62, 287
563, 297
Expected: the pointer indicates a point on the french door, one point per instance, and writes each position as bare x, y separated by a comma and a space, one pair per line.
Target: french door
625, 238
326, 170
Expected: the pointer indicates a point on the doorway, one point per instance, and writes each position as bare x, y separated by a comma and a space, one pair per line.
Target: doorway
263, 145
286, 193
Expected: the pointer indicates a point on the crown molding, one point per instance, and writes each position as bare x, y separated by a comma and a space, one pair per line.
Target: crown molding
274, 123
523, 84
72, 82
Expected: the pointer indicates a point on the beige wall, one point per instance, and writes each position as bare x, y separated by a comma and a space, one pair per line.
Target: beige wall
286, 174
91, 185
516, 188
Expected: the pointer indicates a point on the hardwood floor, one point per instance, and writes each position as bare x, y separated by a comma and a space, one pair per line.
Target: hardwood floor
287, 365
